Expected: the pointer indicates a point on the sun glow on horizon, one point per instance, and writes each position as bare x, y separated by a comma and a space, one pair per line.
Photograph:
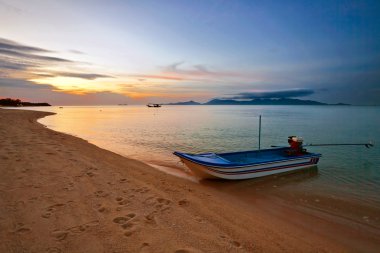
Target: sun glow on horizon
135, 88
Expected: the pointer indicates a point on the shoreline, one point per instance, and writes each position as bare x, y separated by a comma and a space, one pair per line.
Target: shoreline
62, 193
339, 169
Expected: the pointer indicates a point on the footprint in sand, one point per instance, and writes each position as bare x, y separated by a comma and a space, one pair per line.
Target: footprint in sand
51, 209
69, 187
199, 219
151, 218
122, 202
83, 227
46, 215
187, 250
60, 234
142, 190
163, 201
183, 202
123, 219
53, 250
128, 226
127, 223
100, 194
22, 230
150, 200
145, 247
236, 244
232, 242
90, 173
163, 204
24, 170
120, 220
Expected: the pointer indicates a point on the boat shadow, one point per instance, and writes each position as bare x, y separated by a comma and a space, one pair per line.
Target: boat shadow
263, 183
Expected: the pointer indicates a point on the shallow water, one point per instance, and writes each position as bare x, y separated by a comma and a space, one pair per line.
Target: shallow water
152, 134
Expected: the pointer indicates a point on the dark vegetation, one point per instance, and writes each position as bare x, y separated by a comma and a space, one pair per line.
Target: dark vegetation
18, 102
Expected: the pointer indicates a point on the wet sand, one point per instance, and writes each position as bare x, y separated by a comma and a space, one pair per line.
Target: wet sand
58, 193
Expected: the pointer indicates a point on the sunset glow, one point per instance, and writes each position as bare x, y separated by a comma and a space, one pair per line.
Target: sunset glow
139, 51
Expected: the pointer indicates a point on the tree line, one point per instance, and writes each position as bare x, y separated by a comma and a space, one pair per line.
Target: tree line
18, 102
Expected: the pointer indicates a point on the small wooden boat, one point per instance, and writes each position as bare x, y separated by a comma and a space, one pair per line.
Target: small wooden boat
247, 164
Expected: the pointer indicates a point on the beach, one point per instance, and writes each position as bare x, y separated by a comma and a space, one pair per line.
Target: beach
59, 193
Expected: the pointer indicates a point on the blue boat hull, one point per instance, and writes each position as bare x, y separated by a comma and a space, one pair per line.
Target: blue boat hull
247, 164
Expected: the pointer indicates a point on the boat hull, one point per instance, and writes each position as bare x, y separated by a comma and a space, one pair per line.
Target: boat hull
250, 171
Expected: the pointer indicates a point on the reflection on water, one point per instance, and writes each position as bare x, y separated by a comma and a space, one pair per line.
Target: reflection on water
152, 134
249, 187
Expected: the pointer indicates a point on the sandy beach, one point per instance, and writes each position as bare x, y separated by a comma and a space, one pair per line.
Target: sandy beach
59, 193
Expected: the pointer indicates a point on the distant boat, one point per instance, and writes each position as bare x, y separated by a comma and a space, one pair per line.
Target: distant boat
247, 164
153, 105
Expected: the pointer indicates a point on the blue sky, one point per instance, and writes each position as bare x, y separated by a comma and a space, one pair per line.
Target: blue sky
97, 52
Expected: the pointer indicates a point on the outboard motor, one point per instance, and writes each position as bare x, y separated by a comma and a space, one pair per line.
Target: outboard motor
296, 145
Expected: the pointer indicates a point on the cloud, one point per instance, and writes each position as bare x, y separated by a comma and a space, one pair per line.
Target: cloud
31, 56
45, 93
12, 45
10, 7
13, 65
175, 73
142, 76
290, 93
199, 77
22, 61
195, 70
24, 71
204, 73
180, 71
88, 76
76, 51
20, 83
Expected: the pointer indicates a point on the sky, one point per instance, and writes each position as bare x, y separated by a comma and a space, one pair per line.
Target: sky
87, 52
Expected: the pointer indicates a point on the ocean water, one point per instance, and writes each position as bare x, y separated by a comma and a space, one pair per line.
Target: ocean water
152, 134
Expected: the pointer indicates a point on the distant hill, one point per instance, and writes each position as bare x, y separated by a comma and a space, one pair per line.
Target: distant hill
264, 101
185, 103
18, 102
267, 101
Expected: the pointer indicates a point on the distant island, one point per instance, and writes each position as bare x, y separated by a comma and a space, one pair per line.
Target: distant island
260, 101
185, 103
18, 103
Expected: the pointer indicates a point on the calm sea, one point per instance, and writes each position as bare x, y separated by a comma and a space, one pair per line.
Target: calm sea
152, 134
